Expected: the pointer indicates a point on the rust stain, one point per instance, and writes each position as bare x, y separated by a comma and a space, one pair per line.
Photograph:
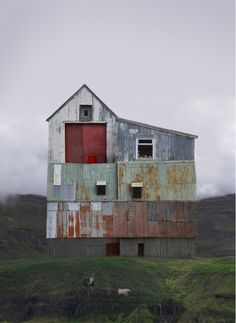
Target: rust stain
70, 225
121, 173
77, 224
60, 224
107, 226
97, 222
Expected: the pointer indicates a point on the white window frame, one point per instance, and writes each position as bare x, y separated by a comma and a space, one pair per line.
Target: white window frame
152, 144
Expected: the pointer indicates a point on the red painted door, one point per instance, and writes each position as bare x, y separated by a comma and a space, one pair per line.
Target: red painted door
85, 143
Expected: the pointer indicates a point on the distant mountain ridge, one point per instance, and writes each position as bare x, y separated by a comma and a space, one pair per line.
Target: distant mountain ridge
216, 226
23, 226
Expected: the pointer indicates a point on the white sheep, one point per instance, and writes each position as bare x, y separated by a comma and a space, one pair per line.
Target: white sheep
124, 291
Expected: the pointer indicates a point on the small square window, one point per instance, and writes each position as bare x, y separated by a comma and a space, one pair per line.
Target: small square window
145, 148
101, 189
85, 113
137, 192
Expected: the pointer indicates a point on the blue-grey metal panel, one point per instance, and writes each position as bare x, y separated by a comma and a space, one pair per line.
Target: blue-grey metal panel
168, 146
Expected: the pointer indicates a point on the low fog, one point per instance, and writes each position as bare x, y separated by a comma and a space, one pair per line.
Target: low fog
169, 64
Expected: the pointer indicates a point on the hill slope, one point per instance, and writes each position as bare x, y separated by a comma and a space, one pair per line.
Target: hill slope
22, 225
216, 226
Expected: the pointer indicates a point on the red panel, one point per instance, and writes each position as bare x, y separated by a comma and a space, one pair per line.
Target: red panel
73, 143
94, 143
112, 249
85, 143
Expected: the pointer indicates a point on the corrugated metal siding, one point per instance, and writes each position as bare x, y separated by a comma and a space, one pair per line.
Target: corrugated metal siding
159, 247
121, 219
168, 181
79, 247
79, 182
153, 247
167, 145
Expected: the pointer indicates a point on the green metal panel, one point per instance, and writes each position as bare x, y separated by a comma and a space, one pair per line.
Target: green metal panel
79, 182
162, 181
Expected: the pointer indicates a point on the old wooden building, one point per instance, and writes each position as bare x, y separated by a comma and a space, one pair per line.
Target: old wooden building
118, 187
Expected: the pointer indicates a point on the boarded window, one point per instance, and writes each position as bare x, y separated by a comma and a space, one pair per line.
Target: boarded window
145, 148
85, 113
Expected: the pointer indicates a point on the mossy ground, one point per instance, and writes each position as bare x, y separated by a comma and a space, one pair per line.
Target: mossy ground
204, 287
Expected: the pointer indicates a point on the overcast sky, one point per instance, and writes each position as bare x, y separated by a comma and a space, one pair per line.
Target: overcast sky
169, 63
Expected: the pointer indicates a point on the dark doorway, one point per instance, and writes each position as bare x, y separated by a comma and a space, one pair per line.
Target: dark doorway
141, 249
113, 249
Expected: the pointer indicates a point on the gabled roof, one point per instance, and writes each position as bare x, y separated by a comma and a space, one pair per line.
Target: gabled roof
74, 95
121, 119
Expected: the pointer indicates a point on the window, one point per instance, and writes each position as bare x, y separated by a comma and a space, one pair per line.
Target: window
101, 187
85, 113
145, 148
136, 190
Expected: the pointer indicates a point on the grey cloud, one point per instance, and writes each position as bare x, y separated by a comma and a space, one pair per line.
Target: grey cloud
167, 63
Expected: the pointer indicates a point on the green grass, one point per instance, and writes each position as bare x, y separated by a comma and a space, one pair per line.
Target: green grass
204, 286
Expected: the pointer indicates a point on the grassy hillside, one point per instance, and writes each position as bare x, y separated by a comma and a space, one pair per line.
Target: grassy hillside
37, 288
170, 290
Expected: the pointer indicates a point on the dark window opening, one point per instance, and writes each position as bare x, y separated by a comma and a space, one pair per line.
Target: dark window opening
144, 151
145, 148
85, 113
101, 189
137, 192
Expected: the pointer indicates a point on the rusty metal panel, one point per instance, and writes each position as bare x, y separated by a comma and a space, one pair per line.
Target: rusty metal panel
107, 226
121, 219
85, 220
163, 181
